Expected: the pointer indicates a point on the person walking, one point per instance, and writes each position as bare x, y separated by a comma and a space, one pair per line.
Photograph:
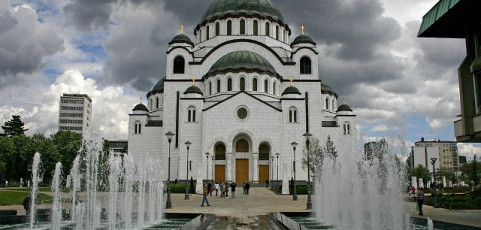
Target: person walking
209, 188
226, 186
232, 186
216, 186
420, 199
204, 197
222, 189
244, 187
248, 186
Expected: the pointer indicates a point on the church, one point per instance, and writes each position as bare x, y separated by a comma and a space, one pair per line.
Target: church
236, 95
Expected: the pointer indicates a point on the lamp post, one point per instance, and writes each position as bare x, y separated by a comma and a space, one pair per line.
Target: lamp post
272, 170
207, 166
294, 188
187, 144
309, 202
213, 166
433, 161
277, 155
168, 204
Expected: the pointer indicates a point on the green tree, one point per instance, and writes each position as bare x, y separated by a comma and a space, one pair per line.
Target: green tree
7, 156
330, 149
475, 172
24, 151
14, 127
421, 172
49, 157
445, 173
316, 155
68, 145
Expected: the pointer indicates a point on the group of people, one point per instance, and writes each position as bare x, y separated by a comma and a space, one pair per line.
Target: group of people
223, 188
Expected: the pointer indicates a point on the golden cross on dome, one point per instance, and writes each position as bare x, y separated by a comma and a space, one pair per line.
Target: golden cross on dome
193, 81
292, 79
182, 29
302, 29
140, 99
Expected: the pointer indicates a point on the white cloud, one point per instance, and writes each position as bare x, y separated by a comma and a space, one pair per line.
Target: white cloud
469, 150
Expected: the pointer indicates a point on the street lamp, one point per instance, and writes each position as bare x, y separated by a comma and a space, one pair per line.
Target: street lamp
168, 204
294, 193
309, 202
187, 144
207, 166
213, 166
277, 155
433, 161
272, 170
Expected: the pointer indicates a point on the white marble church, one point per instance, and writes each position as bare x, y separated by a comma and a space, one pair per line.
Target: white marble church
240, 93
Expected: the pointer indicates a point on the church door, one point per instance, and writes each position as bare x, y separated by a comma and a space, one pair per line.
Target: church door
242, 170
263, 173
220, 173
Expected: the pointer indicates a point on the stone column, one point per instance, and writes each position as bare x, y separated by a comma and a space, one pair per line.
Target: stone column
255, 164
228, 167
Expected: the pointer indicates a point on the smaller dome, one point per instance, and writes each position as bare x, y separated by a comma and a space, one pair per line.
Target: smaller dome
325, 88
344, 107
291, 90
140, 107
193, 89
303, 39
181, 38
158, 88
242, 61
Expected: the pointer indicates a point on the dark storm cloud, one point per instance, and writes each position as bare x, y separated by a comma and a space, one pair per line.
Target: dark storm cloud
20, 54
89, 14
190, 12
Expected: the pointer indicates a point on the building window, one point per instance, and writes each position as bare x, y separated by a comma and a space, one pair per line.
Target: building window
207, 33
242, 146
327, 103
217, 29
220, 152
151, 104
138, 127
274, 88
191, 114
254, 84
242, 113
347, 128
264, 152
210, 87
179, 65
255, 28
229, 84
268, 28
242, 84
292, 114
306, 65
157, 102
218, 86
242, 26
266, 86
229, 27
277, 32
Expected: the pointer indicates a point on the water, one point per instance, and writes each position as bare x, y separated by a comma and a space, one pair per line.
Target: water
36, 178
57, 204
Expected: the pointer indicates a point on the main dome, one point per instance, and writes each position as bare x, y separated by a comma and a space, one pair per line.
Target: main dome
229, 8
238, 61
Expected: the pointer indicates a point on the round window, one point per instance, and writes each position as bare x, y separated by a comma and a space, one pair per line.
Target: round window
242, 113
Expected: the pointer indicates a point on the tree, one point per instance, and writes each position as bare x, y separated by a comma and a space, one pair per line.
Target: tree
330, 149
14, 127
475, 172
49, 157
7, 156
316, 156
421, 172
446, 173
68, 145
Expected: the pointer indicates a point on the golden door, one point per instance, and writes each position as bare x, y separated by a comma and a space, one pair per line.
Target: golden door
242, 170
220, 173
263, 173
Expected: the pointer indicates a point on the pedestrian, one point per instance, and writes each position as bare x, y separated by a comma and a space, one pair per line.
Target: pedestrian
216, 186
420, 199
413, 189
209, 187
204, 197
27, 202
233, 186
222, 189
267, 183
248, 186
244, 187
226, 186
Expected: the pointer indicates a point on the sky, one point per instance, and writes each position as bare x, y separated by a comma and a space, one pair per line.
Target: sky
114, 50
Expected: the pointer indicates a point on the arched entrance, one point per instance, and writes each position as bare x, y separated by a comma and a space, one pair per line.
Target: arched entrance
242, 163
219, 156
264, 152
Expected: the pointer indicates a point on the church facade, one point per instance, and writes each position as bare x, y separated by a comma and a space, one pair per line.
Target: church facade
235, 99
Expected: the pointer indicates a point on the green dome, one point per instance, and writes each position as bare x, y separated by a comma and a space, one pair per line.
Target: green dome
303, 39
158, 88
140, 107
242, 61
229, 8
193, 89
291, 90
181, 38
344, 107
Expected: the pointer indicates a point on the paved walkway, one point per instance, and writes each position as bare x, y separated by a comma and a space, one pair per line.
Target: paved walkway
464, 217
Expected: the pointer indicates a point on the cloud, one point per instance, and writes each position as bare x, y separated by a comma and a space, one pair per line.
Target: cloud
110, 107
24, 44
89, 15
469, 150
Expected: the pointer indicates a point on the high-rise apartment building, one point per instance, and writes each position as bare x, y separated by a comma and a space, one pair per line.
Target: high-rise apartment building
446, 153
75, 113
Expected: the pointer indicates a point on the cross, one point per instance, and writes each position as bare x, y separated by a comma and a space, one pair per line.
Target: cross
182, 29
292, 79
302, 29
140, 99
193, 81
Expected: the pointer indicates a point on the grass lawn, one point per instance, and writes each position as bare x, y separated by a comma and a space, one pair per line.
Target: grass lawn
14, 197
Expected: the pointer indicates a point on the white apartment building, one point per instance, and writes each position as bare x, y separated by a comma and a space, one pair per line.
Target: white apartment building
75, 113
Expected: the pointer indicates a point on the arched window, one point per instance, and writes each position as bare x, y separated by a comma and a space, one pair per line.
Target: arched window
179, 64
268, 29
242, 26
255, 28
242, 146
254, 84
305, 65
274, 88
138, 127
217, 29
157, 102
264, 152
210, 87
292, 114
327, 103
229, 27
191, 114
219, 152
151, 104
229, 84
277, 33
207, 33
218, 85
266, 86
347, 128
242, 84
